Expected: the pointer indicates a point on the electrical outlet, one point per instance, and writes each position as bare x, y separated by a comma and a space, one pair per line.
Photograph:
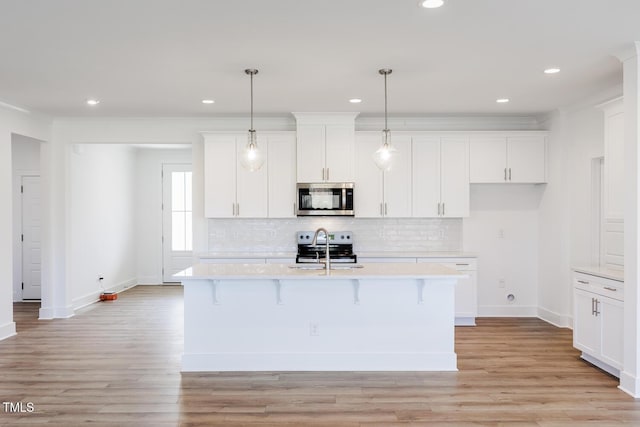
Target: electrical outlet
314, 329
501, 233
502, 283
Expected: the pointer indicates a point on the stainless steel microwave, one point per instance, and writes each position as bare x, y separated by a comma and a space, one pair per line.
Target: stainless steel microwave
324, 199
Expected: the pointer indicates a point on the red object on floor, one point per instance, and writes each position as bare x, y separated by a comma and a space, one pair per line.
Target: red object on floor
108, 296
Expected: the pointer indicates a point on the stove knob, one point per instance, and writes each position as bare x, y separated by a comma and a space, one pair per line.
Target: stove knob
348, 237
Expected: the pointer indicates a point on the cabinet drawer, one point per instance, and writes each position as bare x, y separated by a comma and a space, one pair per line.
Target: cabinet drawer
460, 264
599, 285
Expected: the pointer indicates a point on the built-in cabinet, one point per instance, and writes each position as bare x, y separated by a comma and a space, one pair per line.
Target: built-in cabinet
507, 159
325, 147
440, 176
612, 254
598, 320
234, 192
381, 193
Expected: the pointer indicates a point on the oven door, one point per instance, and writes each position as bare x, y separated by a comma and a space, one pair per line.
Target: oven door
324, 199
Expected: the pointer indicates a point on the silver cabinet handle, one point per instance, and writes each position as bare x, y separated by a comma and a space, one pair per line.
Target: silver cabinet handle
593, 305
438, 208
323, 174
505, 174
237, 209
443, 208
233, 209
583, 282
385, 208
509, 174
611, 289
597, 308
461, 263
381, 211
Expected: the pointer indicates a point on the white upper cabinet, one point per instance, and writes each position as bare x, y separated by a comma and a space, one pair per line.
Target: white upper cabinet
234, 192
510, 158
325, 147
281, 172
380, 193
440, 176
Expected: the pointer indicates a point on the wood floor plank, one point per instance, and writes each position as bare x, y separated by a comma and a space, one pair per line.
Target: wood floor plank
118, 364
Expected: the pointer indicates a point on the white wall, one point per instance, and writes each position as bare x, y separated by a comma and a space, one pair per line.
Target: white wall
102, 226
503, 230
25, 158
11, 123
566, 234
148, 209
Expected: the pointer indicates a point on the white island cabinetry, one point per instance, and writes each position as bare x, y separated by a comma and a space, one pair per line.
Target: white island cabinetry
270, 317
599, 318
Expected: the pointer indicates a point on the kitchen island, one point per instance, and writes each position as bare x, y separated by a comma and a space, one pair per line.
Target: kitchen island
273, 317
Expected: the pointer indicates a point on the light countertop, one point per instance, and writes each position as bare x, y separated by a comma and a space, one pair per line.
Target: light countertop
600, 271
361, 254
286, 272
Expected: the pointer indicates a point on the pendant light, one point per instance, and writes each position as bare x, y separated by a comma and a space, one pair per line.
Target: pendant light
252, 157
385, 154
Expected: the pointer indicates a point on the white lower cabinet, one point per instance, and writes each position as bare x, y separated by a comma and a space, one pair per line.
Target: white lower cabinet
466, 289
598, 320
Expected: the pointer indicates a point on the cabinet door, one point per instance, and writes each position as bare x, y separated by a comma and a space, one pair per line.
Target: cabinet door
454, 177
339, 149
586, 326
466, 296
526, 159
219, 176
397, 180
367, 196
251, 190
487, 160
426, 177
310, 153
611, 314
614, 162
282, 176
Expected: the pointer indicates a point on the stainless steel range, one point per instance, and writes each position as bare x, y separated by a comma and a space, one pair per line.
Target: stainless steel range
340, 247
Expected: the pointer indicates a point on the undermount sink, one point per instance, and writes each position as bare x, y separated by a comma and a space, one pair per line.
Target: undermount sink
321, 266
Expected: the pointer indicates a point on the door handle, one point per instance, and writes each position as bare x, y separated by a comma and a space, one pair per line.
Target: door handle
381, 211
611, 289
237, 209
233, 209
443, 208
509, 174
323, 178
438, 208
505, 174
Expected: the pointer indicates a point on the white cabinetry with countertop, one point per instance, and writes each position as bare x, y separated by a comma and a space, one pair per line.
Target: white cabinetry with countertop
380, 193
599, 317
440, 171
507, 158
325, 147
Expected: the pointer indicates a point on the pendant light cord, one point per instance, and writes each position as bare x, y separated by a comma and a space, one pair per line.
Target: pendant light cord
385, 101
251, 101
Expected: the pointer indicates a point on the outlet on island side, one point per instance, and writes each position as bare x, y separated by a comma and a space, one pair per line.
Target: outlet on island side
502, 284
314, 329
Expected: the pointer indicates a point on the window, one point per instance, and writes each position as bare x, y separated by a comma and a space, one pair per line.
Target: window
181, 218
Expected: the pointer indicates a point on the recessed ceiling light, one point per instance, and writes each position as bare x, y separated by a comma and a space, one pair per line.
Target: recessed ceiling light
355, 100
431, 4
502, 100
552, 70
93, 102
208, 101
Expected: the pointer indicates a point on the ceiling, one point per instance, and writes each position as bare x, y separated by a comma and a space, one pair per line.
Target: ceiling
160, 58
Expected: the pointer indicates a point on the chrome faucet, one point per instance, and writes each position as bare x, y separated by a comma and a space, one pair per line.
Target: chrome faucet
327, 264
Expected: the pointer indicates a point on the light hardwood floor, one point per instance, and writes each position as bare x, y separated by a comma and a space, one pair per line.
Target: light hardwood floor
118, 364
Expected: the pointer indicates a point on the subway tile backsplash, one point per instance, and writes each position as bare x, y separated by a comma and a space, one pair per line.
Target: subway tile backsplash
388, 234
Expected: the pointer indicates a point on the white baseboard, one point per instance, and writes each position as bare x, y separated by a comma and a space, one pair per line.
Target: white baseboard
7, 330
93, 297
507, 311
556, 319
47, 313
630, 384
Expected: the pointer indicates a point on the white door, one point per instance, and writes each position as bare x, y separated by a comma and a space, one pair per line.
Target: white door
220, 176
339, 149
488, 160
31, 276
177, 234
310, 153
281, 170
526, 159
397, 180
251, 187
368, 183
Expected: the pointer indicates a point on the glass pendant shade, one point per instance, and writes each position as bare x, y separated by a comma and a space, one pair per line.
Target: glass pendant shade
383, 157
252, 157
